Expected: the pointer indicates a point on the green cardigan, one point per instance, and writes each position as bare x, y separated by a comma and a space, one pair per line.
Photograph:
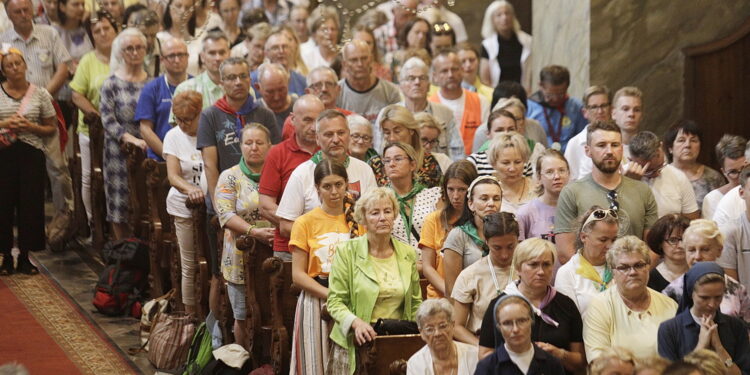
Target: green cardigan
353, 288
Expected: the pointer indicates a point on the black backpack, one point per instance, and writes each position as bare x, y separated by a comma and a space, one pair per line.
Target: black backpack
123, 283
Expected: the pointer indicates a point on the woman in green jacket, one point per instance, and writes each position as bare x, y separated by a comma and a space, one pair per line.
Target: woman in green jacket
373, 276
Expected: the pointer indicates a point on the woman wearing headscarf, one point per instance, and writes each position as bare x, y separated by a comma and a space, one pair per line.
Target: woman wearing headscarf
702, 326
26, 116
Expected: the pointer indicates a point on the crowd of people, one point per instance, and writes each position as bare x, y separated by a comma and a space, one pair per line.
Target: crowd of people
555, 234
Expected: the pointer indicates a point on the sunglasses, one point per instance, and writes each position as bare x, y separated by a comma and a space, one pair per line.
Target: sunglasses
600, 214
613, 203
442, 28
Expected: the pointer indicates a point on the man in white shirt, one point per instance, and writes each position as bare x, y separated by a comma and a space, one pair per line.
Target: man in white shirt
735, 258
672, 189
470, 110
596, 107
300, 195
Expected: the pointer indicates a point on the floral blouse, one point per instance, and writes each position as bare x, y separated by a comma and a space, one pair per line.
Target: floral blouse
235, 195
429, 174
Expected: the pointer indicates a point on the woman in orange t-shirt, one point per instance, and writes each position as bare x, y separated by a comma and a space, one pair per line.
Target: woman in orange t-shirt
313, 242
436, 225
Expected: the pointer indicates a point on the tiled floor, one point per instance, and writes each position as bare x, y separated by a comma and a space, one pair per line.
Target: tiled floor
76, 271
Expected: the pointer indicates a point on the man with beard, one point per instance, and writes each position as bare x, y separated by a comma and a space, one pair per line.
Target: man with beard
631, 201
596, 107
361, 91
470, 110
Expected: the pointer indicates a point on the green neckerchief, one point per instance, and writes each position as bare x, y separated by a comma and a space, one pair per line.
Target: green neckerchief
255, 177
318, 157
530, 142
403, 203
471, 231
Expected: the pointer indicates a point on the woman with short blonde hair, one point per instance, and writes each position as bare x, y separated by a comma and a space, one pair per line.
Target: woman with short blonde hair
508, 153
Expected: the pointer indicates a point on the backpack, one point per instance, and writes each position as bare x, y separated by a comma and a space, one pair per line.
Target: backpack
122, 284
201, 351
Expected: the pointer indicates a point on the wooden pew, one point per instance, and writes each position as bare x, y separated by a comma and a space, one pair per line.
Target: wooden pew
165, 253
224, 315
383, 355
98, 201
202, 273
278, 330
139, 217
258, 301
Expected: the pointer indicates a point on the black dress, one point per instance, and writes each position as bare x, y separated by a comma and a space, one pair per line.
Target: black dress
656, 281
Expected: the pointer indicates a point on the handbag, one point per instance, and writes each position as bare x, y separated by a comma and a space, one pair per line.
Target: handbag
149, 311
170, 339
9, 136
387, 327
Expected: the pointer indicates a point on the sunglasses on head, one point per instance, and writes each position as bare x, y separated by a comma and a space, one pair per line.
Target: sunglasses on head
442, 28
600, 214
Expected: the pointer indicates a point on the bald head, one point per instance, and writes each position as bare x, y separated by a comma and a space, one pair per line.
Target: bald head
305, 112
273, 84
357, 64
175, 55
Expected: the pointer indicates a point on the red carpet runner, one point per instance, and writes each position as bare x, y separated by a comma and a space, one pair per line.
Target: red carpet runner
43, 330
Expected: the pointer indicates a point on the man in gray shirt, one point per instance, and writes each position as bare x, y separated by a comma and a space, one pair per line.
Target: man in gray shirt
631, 200
361, 91
47, 61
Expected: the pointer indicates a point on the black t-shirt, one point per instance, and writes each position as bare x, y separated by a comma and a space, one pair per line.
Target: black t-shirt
509, 58
656, 281
562, 309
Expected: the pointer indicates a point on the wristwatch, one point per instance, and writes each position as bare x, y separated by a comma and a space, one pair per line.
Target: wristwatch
728, 363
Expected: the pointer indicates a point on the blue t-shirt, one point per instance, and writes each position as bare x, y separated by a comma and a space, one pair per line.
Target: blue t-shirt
154, 105
297, 83
552, 120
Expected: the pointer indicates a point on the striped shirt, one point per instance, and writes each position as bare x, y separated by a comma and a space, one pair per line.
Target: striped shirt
482, 162
38, 108
44, 52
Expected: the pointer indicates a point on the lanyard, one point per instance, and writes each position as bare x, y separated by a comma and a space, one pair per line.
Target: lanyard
554, 132
494, 277
171, 93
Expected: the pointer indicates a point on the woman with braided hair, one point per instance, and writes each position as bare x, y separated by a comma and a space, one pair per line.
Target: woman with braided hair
313, 242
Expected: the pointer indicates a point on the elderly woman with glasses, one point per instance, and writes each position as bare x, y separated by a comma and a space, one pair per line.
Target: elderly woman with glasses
702, 326
516, 353
629, 314
703, 242
557, 329
26, 117
587, 274
665, 239
360, 138
118, 101
441, 355
397, 124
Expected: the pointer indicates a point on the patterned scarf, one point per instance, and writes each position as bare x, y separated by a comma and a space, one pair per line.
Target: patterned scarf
512, 289
587, 271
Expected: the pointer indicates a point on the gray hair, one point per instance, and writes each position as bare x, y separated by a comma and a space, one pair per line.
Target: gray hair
626, 245
232, 61
116, 60
644, 145
357, 119
268, 67
432, 307
318, 70
412, 63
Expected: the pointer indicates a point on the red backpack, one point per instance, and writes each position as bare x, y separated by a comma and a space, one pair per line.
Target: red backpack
123, 283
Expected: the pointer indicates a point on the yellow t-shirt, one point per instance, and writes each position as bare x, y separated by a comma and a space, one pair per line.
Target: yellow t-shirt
432, 236
317, 233
390, 302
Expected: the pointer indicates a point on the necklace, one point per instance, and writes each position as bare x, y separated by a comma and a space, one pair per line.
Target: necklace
520, 196
494, 277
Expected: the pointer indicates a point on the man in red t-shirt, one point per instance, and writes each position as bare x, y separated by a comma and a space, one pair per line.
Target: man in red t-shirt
283, 158
323, 83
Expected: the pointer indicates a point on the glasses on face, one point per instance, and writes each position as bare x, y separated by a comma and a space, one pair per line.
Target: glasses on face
417, 79
600, 214
510, 324
396, 159
175, 56
234, 77
654, 172
597, 108
673, 240
323, 84
733, 173
426, 142
626, 268
613, 203
361, 138
133, 49
432, 330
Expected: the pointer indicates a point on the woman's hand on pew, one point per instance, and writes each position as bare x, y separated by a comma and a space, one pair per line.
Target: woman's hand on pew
129, 138
264, 235
363, 332
195, 195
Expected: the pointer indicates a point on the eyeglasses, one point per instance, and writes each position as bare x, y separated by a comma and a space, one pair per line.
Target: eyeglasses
397, 159
429, 142
600, 214
613, 203
654, 172
562, 172
175, 56
673, 240
432, 330
596, 108
626, 268
234, 77
133, 49
363, 138
509, 324
442, 28
183, 121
